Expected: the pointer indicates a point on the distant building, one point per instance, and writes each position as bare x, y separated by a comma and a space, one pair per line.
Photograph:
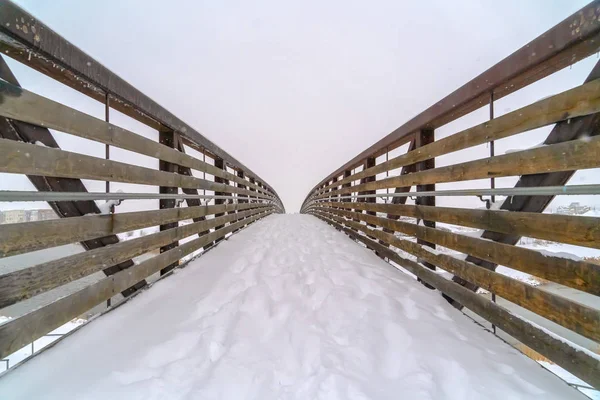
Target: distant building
16, 216
573, 209
44, 215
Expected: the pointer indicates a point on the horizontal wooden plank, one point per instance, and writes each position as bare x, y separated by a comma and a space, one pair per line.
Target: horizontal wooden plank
22, 105
574, 316
30, 159
579, 101
25, 283
581, 275
571, 229
582, 154
577, 362
30, 236
19, 332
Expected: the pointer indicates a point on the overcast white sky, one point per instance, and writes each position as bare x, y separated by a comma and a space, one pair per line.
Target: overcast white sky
295, 89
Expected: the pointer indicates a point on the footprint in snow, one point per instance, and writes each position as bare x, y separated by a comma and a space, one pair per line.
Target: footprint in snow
215, 351
505, 369
239, 265
441, 313
460, 336
409, 306
257, 256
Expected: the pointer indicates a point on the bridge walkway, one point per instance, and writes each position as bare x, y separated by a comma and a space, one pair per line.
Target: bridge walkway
289, 308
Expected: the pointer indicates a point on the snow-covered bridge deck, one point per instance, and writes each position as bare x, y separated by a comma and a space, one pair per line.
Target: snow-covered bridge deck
288, 308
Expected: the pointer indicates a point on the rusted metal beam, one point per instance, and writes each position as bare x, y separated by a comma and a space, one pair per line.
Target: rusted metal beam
423, 138
192, 202
407, 169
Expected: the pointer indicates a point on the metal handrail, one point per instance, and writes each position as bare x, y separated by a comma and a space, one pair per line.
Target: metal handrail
572, 190
10, 196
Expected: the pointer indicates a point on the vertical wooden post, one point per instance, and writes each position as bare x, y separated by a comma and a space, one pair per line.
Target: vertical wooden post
107, 147
369, 163
219, 163
240, 174
251, 189
204, 175
355, 200
422, 138
168, 138
347, 173
334, 180
387, 174
492, 179
492, 150
107, 157
243, 196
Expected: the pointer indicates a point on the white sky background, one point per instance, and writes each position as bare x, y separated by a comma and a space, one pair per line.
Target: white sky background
295, 89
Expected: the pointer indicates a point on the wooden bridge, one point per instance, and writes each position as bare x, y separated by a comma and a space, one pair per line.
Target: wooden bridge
206, 195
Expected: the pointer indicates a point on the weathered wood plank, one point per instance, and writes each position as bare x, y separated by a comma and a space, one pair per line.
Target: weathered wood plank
571, 229
575, 361
19, 332
579, 101
30, 236
22, 131
22, 105
583, 154
25, 158
581, 275
575, 128
28, 282
574, 316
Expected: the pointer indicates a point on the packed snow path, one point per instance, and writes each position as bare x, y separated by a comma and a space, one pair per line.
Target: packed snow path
289, 308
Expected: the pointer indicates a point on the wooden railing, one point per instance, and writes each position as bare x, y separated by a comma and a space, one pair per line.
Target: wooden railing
222, 195
356, 198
